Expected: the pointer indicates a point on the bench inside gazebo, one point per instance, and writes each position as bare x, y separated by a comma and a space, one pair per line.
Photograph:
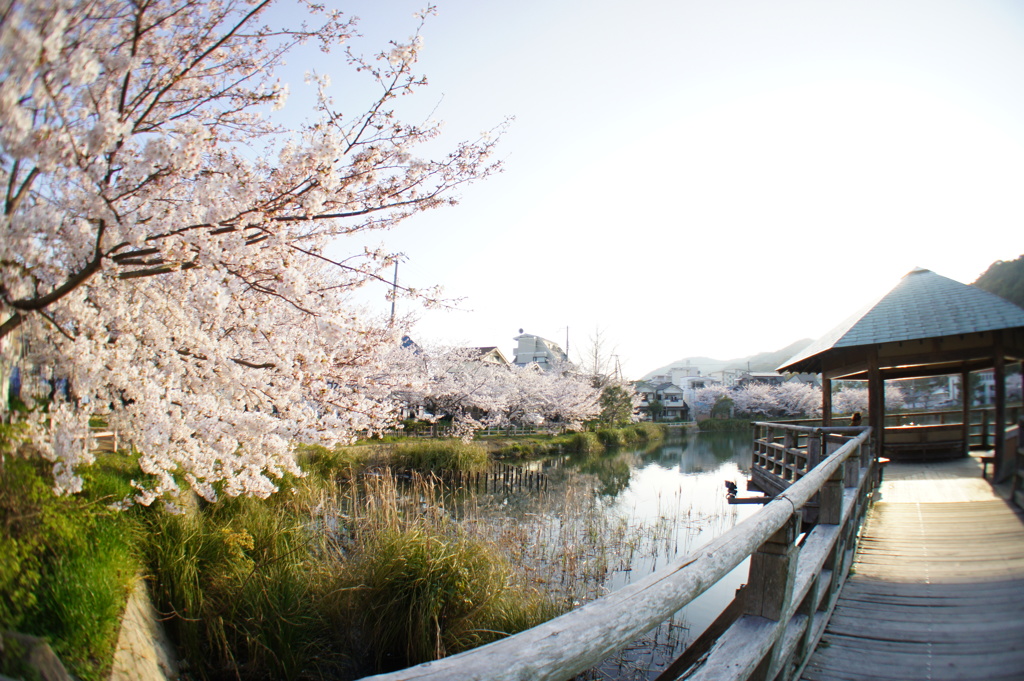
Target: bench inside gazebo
927, 441
928, 325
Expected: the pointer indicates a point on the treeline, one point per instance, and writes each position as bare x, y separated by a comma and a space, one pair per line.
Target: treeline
1005, 279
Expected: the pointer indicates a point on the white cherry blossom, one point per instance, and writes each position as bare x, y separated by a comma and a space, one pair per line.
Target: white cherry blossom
164, 243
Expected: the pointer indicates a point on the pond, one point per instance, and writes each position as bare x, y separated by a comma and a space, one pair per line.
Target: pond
605, 520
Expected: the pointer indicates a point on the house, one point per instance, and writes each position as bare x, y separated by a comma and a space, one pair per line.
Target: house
727, 377
805, 379
772, 378
489, 355
668, 395
676, 375
531, 349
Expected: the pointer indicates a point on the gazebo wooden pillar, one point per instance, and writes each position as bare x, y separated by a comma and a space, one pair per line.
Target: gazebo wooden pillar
1003, 460
826, 401
965, 407
876, 402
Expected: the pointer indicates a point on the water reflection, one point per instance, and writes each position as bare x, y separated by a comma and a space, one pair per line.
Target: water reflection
608, 519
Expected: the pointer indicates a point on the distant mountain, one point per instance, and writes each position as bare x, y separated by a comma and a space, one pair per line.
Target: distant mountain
1005, 279
763, 361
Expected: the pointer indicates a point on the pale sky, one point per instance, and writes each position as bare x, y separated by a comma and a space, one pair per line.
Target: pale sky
711, 178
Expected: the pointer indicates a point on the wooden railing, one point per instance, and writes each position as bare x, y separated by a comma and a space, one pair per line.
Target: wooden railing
981, 432
794, 580
784, 453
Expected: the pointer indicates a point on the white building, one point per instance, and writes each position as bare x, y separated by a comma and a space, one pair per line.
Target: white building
669, 395
531, 349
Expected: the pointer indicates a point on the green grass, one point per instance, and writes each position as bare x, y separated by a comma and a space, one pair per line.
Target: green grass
585, 442
645, 431
612, 437
438, 455
724, 425
66, 567
242, 586
421, 594
292, 587
323, 464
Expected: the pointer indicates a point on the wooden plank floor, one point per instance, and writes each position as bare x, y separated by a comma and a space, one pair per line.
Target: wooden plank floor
937, 590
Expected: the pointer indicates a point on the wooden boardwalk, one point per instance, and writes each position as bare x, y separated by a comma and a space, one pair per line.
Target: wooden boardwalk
937, 590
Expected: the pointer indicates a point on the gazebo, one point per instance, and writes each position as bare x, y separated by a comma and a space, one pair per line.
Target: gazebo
928, 325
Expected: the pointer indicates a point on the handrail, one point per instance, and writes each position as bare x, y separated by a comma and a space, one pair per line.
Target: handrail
578, 640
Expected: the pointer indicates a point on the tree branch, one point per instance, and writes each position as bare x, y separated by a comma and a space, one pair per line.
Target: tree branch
73, 282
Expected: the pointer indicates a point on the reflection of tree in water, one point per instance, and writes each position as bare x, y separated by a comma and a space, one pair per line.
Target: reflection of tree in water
613, 469
723, 446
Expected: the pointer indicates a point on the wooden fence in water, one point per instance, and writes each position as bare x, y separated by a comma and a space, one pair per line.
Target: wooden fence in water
794, 580
498, 478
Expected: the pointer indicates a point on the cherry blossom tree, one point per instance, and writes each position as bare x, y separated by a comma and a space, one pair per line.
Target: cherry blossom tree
895, 398
565, 396
456, 383
798, 399
849, 399
756, 398
460, 385
707, 397
165, 243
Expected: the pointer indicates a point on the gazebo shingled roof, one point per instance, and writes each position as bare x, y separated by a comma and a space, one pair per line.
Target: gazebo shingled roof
923, 305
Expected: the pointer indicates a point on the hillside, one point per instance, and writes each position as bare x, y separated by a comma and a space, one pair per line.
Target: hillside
762, 361
1005, 279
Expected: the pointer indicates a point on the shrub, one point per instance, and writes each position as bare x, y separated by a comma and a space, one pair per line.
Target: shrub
723, 425
583, 443
646, 431
611, 437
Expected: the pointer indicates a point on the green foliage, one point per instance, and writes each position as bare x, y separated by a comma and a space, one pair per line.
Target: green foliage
252, 589
82, 594
66, 567
243, 590
616, 405
647, 432
723, 407
723, 425
420, 596
438, 455
1005, 279
584, 442
323, 464
612, 437
523, 450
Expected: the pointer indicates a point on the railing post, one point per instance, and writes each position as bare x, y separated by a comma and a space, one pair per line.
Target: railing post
769, 589
830, 511
813, 450
852, 471
984, 429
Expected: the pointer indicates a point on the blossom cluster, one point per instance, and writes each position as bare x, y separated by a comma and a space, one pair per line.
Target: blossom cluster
792, 399
164, 244
461, 384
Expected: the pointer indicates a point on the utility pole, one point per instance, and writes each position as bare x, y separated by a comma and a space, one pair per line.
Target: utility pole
394, 292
